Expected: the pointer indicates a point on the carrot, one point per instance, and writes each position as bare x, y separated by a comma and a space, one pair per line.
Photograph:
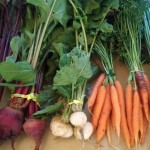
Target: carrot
129, 111
113, 119
145, 127
147, 82
98, 106
143, 92
92, 97
116, 108
108, 130
141, 119
102, 124
124, 125
136, 125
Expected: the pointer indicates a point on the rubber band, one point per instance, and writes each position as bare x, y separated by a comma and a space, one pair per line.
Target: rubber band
136, 70
31, 96
76, 101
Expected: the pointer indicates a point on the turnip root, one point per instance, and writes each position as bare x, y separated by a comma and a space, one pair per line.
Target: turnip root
35, 128
60, 128
78, 119
11, 122
85, 132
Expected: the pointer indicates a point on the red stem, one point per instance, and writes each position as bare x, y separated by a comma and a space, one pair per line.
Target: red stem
24, 91
31, 108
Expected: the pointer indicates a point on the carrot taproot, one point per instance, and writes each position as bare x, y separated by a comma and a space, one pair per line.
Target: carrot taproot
113, 118
98, 106
116, 108
136, 111
147, 82
102, 124
124, 125
141, 119
145, 127
92, 97
108, 130
129, 110
143, 92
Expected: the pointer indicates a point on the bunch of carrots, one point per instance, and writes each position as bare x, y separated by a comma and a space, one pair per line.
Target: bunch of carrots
107, 102
129, 110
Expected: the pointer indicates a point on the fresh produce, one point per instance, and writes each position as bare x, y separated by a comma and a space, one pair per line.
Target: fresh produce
35, 128
112, 100
61, 129
11, 123
87, 130
10, 23
129, 23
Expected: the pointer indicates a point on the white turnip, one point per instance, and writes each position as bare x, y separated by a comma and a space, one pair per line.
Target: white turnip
78, 119
85, 132
60, 128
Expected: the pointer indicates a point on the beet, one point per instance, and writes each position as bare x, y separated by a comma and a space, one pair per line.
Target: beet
11, 122
35, 128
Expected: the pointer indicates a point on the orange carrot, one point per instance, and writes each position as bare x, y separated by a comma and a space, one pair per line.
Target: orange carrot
129, 111
108, 130
92, 97
98, 106
135, 121
102, 124
124, 125
143, 92
145, 127
147, 82
113, 118
141, 119
116, 108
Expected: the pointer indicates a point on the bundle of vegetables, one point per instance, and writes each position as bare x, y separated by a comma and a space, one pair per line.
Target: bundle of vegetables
107, 99
137, 90
30, 48
10, 18
75, 67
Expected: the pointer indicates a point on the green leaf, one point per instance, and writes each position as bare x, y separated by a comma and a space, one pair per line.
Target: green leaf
46, 96
76, 25
65, 76
60, 48
82, 66
115, 4
64, 91
49, 109
106, 27
16, 44
90, 5
20, 71
40, 3
61, 12
42, 6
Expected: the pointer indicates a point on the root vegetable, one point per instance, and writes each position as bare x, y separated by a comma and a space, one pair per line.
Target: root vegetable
116, 108
85, 132
124, 126
35, 128
98, 106
11, 122
92, 97
102, 124
78, 119
60, 128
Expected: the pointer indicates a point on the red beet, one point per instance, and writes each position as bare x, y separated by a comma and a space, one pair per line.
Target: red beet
35, 128
11, 123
